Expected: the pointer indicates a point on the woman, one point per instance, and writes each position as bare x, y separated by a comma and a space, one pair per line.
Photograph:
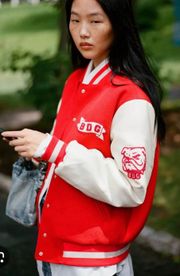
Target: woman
103, 152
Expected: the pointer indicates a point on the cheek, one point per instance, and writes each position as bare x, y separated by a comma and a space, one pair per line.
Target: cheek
106, 37
73, 32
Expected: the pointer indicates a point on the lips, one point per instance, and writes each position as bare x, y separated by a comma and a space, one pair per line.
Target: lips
86, 46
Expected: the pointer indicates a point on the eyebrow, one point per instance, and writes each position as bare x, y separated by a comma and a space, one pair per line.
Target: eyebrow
90, 14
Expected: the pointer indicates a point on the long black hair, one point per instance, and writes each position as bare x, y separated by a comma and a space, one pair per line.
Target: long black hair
127, 55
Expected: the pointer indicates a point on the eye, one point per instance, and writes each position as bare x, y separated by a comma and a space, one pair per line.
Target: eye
74, 20
96, 21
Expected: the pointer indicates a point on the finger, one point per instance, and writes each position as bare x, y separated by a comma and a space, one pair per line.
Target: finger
20, 149
17, 142
12, 134
25, 154
24, 151
6, 140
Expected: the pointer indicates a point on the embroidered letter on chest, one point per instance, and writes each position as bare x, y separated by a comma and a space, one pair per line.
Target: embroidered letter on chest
91, 127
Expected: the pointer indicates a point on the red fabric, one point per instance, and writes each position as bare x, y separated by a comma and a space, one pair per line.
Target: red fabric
61, 154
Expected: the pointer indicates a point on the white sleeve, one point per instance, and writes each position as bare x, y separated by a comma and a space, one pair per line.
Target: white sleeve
42, 147
123, 179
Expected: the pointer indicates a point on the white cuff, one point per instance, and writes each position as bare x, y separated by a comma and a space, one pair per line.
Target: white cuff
43, 145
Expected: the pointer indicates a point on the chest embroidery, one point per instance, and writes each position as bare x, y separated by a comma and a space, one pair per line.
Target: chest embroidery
91, 127
134, 161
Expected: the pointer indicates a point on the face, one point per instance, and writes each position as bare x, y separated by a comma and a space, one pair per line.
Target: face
91, 30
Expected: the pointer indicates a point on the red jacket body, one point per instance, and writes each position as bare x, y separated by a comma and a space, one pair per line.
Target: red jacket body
77, 226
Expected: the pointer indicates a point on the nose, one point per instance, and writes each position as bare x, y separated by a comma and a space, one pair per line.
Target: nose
84, 31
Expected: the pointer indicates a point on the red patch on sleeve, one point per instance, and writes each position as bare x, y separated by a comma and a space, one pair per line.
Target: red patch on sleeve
134, 161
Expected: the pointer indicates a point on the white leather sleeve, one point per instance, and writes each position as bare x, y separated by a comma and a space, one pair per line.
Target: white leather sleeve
123, 179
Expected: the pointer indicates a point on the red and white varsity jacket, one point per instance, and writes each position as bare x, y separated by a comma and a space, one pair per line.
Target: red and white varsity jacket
103, 159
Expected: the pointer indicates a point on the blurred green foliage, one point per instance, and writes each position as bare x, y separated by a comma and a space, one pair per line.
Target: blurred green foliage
158, 42
28, 28
47, 78
147, 12
166, 207
48, 71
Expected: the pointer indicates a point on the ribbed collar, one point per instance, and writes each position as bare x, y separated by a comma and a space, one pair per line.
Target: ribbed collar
94, 76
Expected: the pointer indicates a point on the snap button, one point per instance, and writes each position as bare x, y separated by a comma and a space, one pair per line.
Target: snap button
40, 253
83, 91
48, 205
74, 119
44, 235
55, 176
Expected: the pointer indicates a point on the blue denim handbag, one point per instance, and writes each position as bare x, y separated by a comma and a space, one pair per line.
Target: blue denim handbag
26, 181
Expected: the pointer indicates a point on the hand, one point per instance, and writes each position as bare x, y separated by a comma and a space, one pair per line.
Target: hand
25, 141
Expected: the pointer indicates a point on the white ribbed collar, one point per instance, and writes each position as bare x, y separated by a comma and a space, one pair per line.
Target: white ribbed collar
91, 73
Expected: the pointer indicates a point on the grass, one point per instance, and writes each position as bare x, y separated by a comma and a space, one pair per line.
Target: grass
29, 27
25, 28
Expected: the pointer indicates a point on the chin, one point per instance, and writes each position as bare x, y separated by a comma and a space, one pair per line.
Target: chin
87, 55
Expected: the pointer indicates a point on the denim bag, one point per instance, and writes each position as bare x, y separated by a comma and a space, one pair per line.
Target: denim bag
26, 181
